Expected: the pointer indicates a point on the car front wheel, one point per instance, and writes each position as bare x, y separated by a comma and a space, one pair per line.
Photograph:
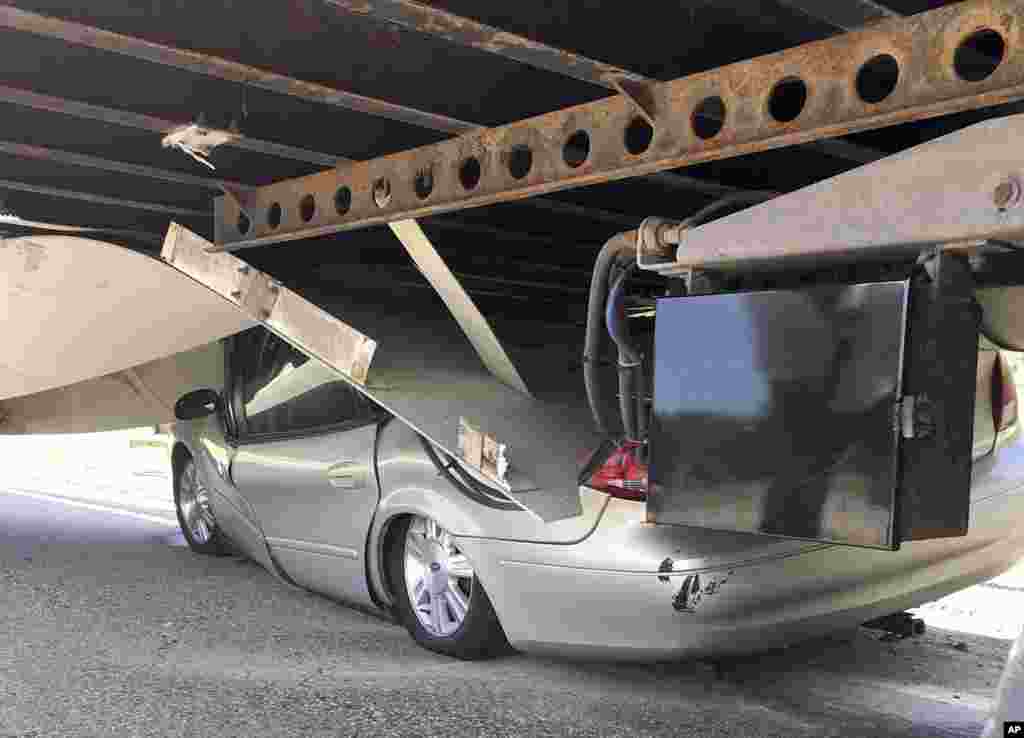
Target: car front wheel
437, 595
192, 503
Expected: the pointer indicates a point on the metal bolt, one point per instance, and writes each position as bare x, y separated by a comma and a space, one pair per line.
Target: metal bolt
236, 294
1007, 193
657, 236
671, 234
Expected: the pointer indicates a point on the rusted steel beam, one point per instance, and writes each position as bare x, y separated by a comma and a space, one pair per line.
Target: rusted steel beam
755, 97
28, 22
75, 109
468, 32
213, 66
217, 68
7, 184
851, 15
37, 101
463, 31
58, 156
8, 219
847, 15
128, 119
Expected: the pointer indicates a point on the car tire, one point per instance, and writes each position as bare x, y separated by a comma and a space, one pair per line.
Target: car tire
477, 634
195, 517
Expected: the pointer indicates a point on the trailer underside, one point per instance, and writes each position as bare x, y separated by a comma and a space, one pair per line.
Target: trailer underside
840, 143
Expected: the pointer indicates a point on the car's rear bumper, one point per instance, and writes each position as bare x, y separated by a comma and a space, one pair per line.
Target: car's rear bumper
620, 592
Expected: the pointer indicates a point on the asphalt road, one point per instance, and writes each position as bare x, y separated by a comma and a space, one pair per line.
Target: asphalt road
109, 627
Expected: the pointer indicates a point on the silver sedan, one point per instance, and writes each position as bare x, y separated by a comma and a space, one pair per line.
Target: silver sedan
294, 469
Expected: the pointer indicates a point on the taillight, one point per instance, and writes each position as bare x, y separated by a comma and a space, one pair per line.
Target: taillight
1004, 395
622, 475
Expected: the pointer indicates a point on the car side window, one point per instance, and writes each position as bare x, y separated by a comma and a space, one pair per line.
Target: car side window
283, 391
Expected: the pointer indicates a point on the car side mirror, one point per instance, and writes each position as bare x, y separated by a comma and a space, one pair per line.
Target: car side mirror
197, 404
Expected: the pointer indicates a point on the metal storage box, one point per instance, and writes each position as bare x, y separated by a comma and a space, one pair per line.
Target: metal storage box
779, 412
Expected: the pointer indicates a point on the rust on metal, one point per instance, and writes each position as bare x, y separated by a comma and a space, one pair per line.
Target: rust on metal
283, 311
482, 452
59, 156
847, 15
638, 93
36, 189
212, 66
467, 32
38, 101
86, 111
239, 190
527, 158
50, 104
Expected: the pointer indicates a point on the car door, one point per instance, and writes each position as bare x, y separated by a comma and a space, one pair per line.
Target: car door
305, 464
215, 446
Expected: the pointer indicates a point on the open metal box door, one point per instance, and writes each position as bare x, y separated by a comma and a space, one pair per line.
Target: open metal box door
839, 413
421, 368
78, 308
100, 337
142, 395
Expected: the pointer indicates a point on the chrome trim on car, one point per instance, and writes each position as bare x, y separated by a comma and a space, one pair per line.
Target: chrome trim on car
316, 548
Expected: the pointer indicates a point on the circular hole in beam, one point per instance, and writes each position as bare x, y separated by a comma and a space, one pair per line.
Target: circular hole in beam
469, 173
342, 200
423, 184
877, 78
274, 215
787, 99
639, 135
708, 117
243, 224
979, 55
576, 149
520, 161
307, 208
382, 192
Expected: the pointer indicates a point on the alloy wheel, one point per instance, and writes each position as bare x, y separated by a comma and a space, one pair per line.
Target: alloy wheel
194, 504
438, 577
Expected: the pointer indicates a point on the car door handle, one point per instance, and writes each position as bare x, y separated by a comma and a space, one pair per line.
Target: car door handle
346, 475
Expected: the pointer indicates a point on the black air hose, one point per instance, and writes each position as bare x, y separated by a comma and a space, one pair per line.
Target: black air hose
629, 358
623, 244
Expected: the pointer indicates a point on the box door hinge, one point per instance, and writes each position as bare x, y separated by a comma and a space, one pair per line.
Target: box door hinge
914, 417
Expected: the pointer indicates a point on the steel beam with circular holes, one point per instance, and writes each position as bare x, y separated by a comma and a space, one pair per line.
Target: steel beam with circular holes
963, 56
